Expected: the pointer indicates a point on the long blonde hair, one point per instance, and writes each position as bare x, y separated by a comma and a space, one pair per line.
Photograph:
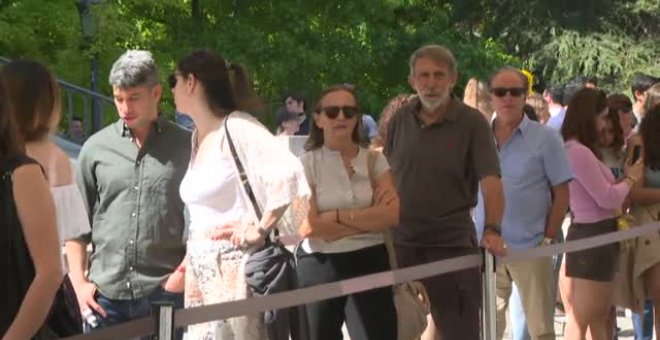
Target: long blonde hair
476, 95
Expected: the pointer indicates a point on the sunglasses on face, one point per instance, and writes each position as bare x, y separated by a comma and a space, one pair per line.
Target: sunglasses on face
514, 91
171, 80
332, 112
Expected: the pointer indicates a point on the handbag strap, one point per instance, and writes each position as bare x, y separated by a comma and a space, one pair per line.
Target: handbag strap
387, 236
243, 177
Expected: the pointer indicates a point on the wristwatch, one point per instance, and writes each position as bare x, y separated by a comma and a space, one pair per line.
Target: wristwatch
494, 227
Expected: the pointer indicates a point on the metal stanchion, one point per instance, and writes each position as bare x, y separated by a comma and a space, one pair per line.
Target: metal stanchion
488, 303
163, 313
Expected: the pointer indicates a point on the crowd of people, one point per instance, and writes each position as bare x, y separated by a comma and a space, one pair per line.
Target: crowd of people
174, 215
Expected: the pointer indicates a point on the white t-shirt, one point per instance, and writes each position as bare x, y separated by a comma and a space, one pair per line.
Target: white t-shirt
335, 189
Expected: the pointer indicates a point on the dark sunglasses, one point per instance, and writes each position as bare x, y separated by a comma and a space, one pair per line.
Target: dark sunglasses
333, 111
171, 80
514, 91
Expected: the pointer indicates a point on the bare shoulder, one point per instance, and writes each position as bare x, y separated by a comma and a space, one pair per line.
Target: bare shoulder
27, 176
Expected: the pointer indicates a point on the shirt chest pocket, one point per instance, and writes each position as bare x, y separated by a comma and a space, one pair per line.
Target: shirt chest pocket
521, 166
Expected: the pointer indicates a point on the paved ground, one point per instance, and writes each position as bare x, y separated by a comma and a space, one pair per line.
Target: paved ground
623, 322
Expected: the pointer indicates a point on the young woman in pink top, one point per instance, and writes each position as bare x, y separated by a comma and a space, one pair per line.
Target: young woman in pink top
587, 283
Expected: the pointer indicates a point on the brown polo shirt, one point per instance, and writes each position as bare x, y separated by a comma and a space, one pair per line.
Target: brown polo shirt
437, 169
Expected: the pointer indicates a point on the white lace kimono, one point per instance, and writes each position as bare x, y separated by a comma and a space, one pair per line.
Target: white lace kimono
217, 275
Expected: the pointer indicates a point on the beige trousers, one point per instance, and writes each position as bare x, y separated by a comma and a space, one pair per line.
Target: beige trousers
534, 280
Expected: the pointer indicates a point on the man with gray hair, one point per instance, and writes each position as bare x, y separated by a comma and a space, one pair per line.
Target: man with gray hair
129, 175
440, 151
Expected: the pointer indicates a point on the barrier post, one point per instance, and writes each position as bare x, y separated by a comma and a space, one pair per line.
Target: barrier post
163, 313
488, 306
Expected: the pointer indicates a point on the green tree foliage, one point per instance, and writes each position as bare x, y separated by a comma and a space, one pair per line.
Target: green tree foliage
286, 44
610, 39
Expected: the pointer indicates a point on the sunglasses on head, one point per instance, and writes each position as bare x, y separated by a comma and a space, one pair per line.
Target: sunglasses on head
333, 111
514, 91
171, 80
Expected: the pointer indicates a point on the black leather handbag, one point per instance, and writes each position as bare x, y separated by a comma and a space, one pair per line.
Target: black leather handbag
271, 269
64, 316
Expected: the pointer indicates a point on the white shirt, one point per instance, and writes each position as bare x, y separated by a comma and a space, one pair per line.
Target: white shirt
335, 189
72, 218
211, 191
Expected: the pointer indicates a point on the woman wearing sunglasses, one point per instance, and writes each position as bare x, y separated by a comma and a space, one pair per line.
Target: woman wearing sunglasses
343, 233
225, 224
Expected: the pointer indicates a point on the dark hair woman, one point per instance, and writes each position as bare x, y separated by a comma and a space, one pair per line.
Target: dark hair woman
225, 226
645, 197
35, 99
595, 196
353, 201
28, 221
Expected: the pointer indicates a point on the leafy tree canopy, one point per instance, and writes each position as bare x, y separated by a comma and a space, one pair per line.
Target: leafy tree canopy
307, 45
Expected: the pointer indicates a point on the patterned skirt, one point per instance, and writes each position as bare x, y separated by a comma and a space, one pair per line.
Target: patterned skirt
216, 274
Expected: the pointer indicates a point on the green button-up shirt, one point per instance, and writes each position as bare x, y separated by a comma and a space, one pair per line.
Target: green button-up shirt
137, 215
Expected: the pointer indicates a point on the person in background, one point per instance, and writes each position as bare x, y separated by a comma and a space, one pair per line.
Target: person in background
476, 96
184, 120
295, 102
129, 175
646, 195
540, 106
586, 283
386, 116
611, 144
287, 122
570, 89
588, 81
640, 84
554, 96
370, 127
32, 215
76, 131
652, 96
35, 98
530, 112
621, 104
344, 234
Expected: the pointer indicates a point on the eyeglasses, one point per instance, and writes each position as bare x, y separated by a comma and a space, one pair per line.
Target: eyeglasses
333, 111
171, 80
514, 91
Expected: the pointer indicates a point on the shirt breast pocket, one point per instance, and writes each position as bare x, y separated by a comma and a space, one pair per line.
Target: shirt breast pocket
520, 167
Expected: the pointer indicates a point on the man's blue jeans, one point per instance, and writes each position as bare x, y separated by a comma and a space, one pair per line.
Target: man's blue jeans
120, 311
519, 329
643, 327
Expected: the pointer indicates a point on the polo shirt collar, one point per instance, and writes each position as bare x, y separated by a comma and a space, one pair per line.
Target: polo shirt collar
126, 131
522, 127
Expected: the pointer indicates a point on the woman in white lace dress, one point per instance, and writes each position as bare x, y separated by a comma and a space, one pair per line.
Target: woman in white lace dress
35, 99
224, 229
